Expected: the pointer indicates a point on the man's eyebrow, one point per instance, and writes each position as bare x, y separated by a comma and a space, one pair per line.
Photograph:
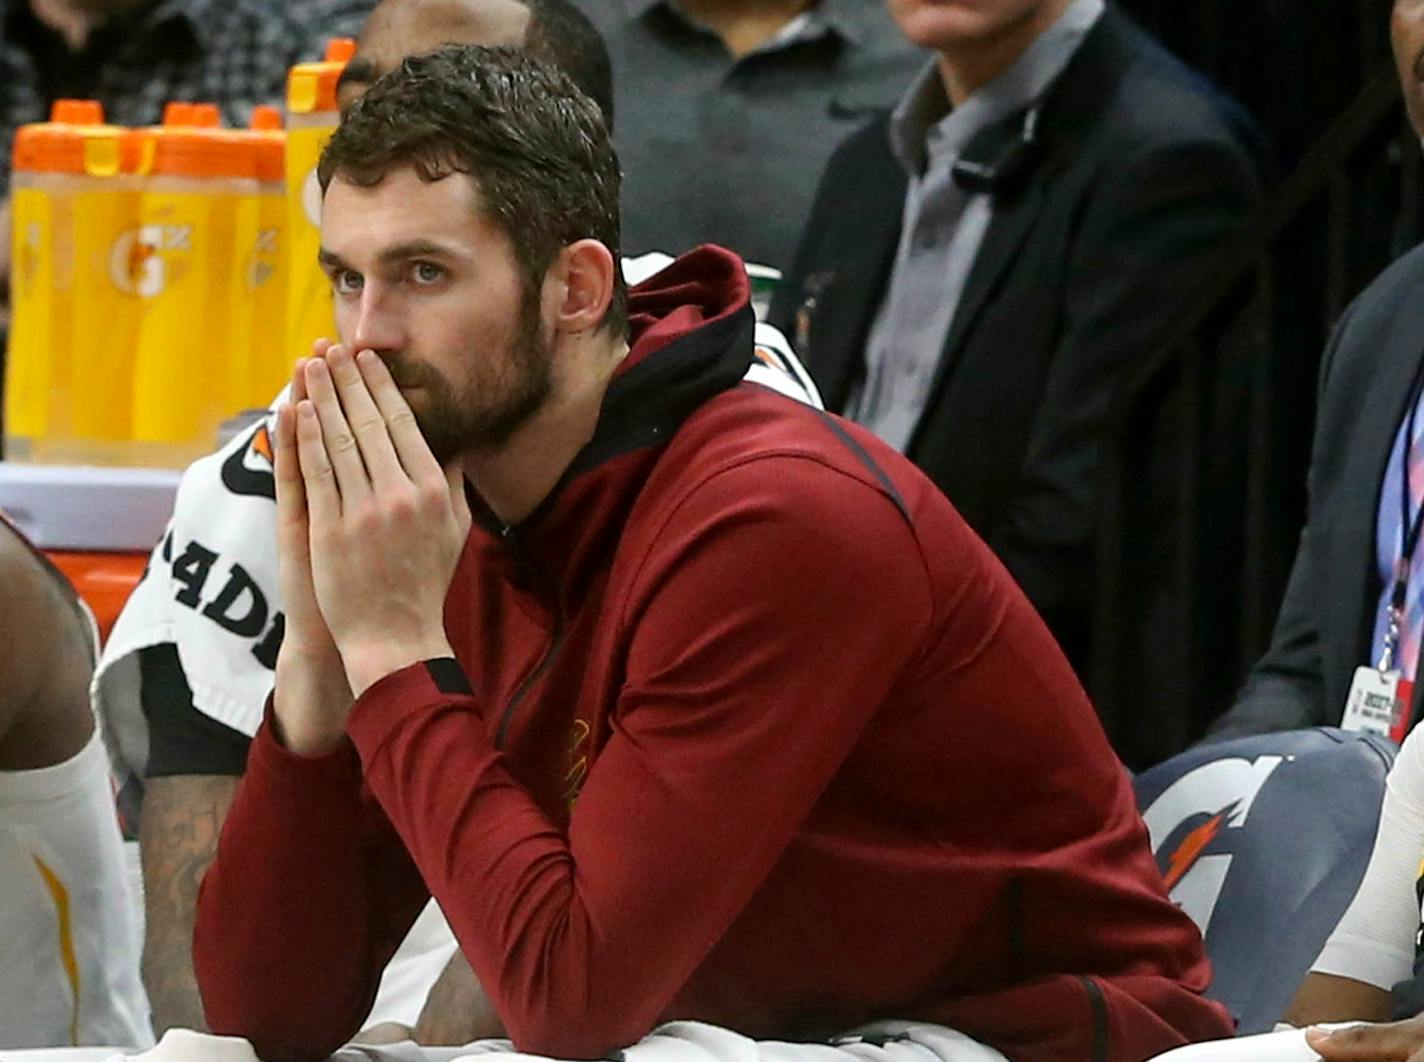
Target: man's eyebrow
333, 262
358, 72
417, 249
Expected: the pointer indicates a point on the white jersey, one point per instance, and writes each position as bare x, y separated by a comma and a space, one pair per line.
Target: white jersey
69, 950
1377, 937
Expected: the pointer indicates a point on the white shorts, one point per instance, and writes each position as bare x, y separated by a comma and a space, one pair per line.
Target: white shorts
69, 946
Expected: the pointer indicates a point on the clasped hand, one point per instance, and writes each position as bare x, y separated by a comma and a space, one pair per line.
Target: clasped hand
370, 529
1400, 1041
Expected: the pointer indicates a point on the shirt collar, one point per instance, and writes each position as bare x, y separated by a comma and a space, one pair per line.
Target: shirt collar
919, 124
849, 18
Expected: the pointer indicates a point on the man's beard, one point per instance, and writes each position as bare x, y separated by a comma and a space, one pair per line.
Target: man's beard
454, 423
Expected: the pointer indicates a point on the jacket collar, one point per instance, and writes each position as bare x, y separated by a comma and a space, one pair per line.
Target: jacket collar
691, 332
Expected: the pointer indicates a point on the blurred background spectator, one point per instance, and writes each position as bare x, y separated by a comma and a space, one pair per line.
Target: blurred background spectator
728, 109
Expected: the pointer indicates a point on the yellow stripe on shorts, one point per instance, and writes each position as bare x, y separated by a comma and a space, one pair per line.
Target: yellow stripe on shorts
60, 895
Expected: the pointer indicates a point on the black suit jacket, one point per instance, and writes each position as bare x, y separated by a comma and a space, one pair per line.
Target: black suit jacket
1327, 620
1139, 177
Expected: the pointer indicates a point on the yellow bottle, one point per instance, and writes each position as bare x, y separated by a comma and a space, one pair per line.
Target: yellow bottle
197, 225
74, 197
267, 271
312, 116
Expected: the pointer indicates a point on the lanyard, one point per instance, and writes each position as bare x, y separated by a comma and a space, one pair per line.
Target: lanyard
1409, 530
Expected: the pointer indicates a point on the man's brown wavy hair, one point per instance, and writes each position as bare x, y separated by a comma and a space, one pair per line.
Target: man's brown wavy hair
536, 148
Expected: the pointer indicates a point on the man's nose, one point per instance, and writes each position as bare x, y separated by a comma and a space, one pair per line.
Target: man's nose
378, 322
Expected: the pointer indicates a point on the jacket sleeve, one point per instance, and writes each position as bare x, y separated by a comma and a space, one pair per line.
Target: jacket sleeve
726, 730
1149, 238
1286, 689
308, 898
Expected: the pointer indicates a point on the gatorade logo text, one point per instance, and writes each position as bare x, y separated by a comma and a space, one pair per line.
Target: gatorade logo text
1187, 820
260, 267
138, 263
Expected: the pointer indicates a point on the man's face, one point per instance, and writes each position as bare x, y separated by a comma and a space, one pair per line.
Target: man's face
1406, 33
952, 25
434, 288
398, 29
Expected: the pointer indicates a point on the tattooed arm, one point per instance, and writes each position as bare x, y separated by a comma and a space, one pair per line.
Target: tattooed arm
178, 838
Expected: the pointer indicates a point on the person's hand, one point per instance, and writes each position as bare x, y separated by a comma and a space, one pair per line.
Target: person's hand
457, 1011
1399, 1041
388, 1032
312, 697
387, 523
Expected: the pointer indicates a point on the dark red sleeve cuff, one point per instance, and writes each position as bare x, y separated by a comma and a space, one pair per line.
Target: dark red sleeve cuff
389, 702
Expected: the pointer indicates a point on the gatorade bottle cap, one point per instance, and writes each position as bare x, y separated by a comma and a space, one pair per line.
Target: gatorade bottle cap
269, 144
311, 87
177, 112
136, 150
77, 112
181, 113
189, 152
266, 119
76, 142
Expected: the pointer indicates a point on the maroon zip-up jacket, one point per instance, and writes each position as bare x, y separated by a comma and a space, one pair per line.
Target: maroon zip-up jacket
746, 726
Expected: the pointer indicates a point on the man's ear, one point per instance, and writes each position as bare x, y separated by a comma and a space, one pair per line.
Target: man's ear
586, 271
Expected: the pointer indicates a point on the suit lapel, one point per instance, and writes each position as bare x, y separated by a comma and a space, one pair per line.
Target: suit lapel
1069, 111
1006, 233
848, 295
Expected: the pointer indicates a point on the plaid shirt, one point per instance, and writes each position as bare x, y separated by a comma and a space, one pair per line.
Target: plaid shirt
234, 53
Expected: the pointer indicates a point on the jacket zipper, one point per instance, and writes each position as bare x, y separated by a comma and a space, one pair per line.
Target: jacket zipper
550, 654
556, 642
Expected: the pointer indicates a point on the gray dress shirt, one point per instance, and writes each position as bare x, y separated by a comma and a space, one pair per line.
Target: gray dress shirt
944, 225
729, 151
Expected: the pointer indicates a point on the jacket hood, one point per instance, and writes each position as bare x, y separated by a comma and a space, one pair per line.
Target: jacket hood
691, 334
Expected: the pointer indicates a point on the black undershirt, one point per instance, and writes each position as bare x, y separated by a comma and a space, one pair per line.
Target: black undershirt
181, 739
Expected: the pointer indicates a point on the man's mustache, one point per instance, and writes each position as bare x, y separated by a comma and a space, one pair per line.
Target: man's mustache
406, 371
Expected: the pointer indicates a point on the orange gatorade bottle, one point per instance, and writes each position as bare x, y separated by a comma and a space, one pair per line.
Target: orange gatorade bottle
197, 228
311, 118
74, 196
267, 271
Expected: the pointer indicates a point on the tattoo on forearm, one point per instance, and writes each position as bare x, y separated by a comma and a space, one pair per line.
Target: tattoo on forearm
182, 820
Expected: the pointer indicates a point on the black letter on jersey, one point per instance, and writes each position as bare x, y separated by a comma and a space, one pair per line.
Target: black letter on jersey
221, 610
191, 569
266, 649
